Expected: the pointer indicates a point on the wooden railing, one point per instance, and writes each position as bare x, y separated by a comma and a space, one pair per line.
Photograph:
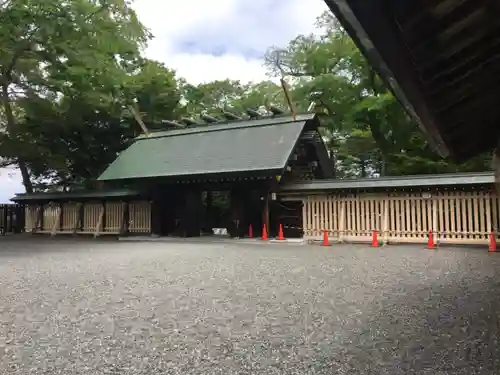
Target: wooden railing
455, 217
95, 218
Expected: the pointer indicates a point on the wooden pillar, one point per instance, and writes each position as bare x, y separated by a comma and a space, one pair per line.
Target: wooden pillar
5, 215
386, 220
193, 212
209, 206
435, 218
265, 211
125, 218
79, 218
342, 219
57, 220
489, 223
100, 223
39, 219
156, 213
61, 216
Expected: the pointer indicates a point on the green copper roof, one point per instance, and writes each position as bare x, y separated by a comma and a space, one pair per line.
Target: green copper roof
235, 147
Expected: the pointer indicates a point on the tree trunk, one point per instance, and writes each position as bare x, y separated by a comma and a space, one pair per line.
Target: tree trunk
362, 164
383, 164
11, 129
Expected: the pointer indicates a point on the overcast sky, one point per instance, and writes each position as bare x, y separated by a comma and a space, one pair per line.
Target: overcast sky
209, 40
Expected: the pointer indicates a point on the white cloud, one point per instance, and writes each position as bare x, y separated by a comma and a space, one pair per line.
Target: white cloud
235, 26
211, 40
10, 184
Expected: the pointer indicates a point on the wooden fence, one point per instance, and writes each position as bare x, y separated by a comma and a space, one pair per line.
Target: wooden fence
454, 217
95, 218
11, 218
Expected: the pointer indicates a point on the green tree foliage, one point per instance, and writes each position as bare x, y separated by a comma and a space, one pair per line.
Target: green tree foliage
58, 131
71, 70
54, 52
215, 97
368, 131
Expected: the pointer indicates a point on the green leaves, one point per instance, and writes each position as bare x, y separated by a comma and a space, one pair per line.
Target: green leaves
369, 133
63, 64
69, 70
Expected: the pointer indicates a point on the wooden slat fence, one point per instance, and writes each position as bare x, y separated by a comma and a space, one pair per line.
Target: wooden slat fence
455, 217
95, 218
140, 217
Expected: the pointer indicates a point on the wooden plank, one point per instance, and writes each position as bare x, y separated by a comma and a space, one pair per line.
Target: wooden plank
79, 217
57, 221
342, 220
100, 221
386, 221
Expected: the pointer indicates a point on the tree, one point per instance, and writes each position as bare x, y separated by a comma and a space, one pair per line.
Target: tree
72, 140
54, 49
215, 97
369, 133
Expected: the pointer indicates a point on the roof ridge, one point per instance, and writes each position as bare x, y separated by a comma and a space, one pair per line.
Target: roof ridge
229, 125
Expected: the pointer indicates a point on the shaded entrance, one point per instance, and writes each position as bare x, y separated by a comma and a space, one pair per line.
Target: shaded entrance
197, 209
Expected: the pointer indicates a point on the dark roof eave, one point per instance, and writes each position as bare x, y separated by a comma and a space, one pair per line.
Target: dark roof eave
421, 181
355, 29
68, 196
202, 177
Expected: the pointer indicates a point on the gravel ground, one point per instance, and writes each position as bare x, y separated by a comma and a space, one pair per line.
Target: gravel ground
86, 307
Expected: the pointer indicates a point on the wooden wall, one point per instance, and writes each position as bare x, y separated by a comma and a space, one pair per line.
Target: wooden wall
95, 218
454, 217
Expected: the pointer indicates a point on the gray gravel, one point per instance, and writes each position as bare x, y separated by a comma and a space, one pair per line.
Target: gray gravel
86, 307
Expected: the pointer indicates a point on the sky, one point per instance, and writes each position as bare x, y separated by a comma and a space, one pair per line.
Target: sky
211, 40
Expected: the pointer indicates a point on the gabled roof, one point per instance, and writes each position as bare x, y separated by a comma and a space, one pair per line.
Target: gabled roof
262, 145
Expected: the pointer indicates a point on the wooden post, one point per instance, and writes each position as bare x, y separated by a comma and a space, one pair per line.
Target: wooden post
61, 216
39, 218
435, 218
305, 224
125, 218
342, 219
265, 211
100, 221
494, 214
385, 225
79, 217
3, 225
57, 220
489, 227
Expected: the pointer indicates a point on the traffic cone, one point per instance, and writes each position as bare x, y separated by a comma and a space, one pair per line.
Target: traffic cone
264, 233
281, 237
250, 231
430, 242
325, 239
375, 239
493, 243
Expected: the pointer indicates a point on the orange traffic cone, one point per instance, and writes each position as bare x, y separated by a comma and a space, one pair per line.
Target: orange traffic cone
493, 243
375, 239
250, 231
325, 239
430, 242
264, 233
281, 237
